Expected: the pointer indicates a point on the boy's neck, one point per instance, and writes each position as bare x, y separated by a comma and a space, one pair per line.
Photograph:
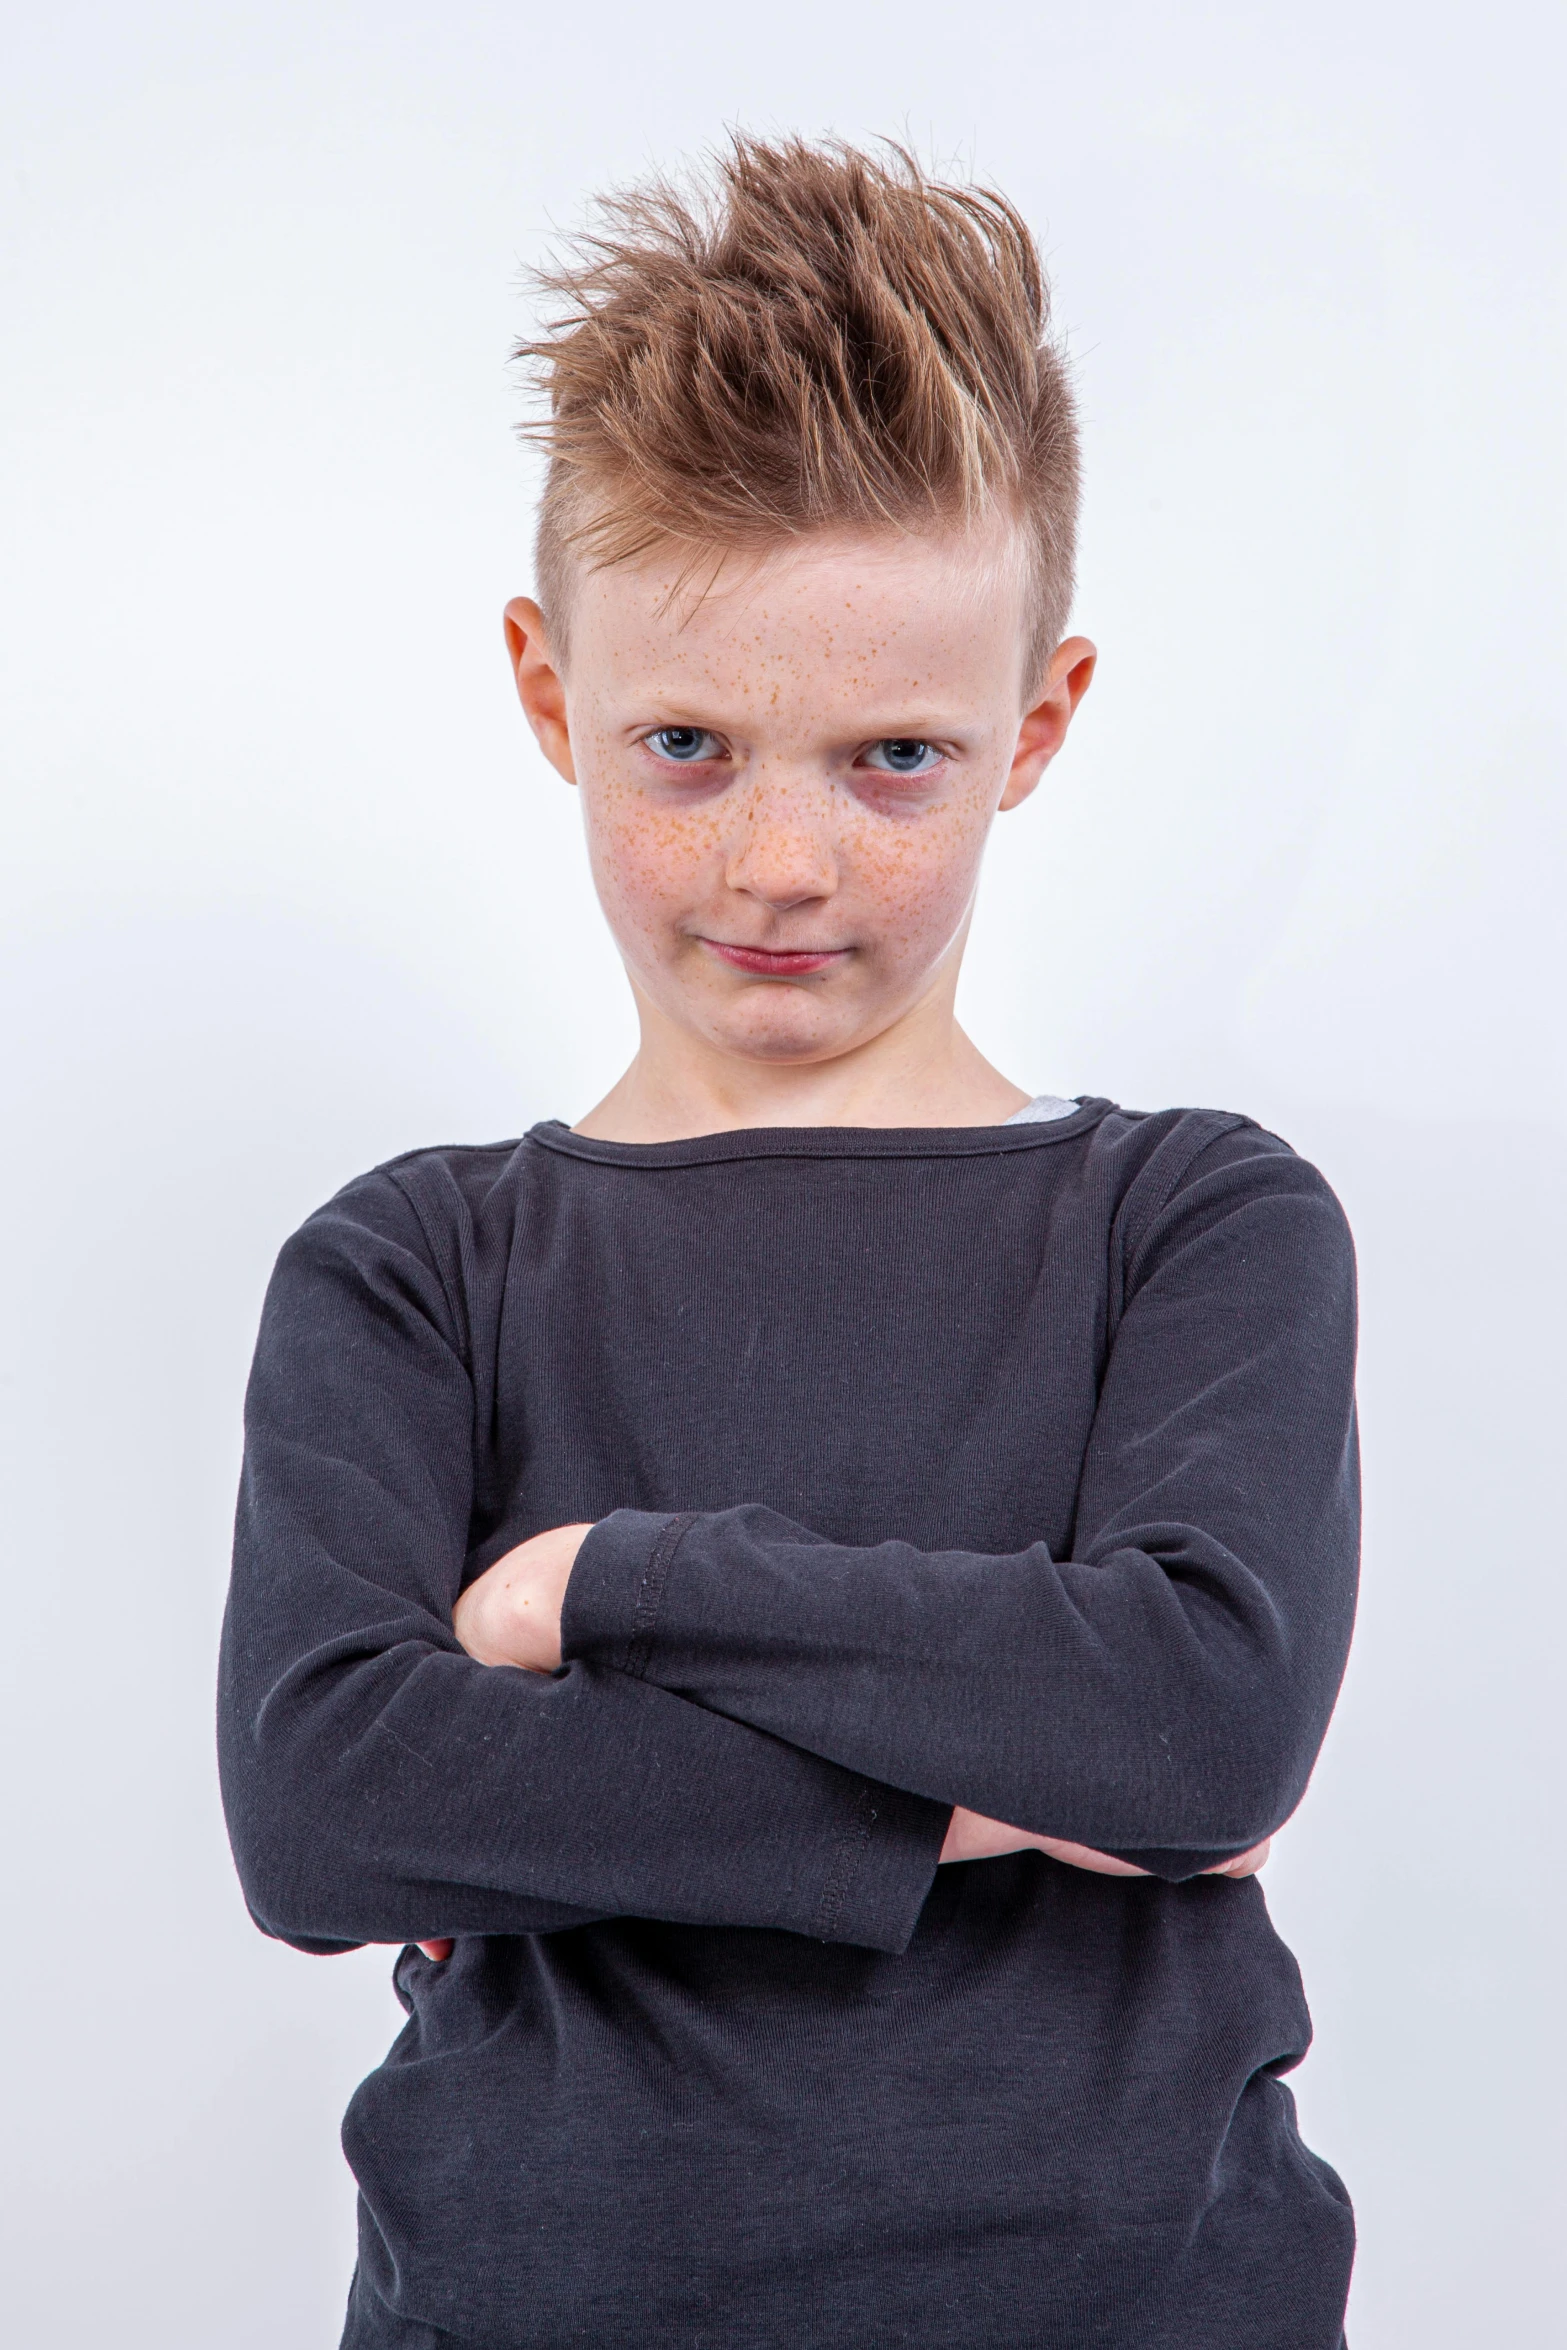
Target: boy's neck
923, 1071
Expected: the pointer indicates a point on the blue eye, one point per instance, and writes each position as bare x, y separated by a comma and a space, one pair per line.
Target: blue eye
902, 754
683, 745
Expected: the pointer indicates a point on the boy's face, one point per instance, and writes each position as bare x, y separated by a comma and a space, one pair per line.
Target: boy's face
788, 782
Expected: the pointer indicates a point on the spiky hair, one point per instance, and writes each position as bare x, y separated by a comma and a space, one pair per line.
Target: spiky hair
802, 337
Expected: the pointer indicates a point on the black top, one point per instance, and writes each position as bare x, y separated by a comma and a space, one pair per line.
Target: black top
1004, 1466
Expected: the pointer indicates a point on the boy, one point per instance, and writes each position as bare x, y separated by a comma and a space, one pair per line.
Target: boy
800, 1595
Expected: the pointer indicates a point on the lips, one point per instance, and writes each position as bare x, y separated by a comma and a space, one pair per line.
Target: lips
770, 963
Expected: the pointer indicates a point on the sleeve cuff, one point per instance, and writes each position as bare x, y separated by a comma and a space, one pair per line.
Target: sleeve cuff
882, 1857
616, 1586
882, 1869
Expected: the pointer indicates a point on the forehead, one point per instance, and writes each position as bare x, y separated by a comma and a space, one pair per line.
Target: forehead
849, 616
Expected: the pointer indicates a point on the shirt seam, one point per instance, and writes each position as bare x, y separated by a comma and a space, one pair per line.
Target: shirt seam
650, 1592
1135, 1232
850, 1853
461, 1344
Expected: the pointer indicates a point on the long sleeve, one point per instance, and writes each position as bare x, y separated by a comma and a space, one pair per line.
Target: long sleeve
379, 1784
1161, 1690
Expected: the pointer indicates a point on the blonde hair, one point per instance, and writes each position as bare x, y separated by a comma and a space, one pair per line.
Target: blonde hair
806, 337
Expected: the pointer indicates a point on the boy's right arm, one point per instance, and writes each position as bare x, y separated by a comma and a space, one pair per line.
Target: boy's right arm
380, 1784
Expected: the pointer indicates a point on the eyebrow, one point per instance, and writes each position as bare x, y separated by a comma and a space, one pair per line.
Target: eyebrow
878, 726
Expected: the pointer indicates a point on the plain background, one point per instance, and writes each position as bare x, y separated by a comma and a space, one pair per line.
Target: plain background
287, 890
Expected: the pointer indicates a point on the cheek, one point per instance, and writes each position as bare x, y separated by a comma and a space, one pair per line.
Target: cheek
918, 877
648, 861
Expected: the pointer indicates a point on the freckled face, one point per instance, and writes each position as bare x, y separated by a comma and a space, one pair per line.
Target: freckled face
788, 784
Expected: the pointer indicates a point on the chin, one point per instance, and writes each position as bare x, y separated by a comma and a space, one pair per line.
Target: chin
783, 1040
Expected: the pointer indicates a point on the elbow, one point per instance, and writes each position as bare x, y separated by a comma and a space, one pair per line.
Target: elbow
1243, 1780
303, 1798
282, 1803
1216, 1769
1242, 1726
298, 1885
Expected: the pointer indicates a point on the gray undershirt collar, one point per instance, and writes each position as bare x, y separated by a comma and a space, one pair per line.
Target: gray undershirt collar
1043, 1106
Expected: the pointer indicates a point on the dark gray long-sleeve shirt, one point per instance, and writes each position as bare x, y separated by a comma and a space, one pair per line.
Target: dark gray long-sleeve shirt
1011, 1467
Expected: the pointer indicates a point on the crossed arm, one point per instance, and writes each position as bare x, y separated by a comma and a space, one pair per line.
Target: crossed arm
511, 1615
755, 1726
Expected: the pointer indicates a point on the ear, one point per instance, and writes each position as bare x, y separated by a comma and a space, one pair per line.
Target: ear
1043, 730
540, 688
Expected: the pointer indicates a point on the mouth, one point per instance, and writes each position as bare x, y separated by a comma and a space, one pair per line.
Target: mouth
779, 963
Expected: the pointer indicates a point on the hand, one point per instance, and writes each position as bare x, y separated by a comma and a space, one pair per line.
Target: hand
970, 1836
1245, 1864
510, 1615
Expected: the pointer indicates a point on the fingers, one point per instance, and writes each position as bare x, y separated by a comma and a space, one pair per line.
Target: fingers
1084, 1856
970, 1836
440, 1949
1245, 1864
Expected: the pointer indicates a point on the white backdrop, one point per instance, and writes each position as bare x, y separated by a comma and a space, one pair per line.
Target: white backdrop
286, 890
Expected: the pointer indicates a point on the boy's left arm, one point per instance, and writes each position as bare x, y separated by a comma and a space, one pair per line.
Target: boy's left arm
1162, 1693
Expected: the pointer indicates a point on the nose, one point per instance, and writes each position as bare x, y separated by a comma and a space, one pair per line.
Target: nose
783, 849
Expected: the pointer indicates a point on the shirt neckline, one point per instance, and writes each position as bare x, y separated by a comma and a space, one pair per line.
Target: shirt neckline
824, 1142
